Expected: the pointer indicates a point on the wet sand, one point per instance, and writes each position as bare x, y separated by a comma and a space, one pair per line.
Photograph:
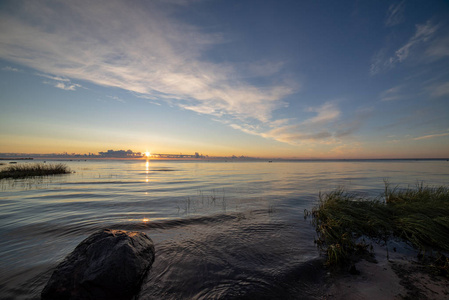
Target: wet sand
400, 277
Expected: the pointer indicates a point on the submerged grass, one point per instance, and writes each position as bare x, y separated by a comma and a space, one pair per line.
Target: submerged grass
33, 170
418, 216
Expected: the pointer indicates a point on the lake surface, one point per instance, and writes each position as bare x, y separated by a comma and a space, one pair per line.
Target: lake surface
222, 230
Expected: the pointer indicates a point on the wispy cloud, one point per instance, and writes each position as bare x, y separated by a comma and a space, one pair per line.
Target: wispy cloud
441, 89
294, 135
325, 113
395, 14
142, 49
424, 33
246, 128
326, 127
431, 136
379, 62
439, 48
56, 78
10, 69
392, 94
352, 124
280, 122
323, 127
60, 82
118, 99
66, 87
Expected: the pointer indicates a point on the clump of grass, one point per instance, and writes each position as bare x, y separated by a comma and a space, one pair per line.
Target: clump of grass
419, 216
33, 170
422, 216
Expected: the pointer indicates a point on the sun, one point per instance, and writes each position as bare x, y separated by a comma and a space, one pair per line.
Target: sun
147, 154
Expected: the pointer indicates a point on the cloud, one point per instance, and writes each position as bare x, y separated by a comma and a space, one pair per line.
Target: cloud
424, 33
294, 135
395, 14
325, 113
56, 78
246, 129
347, 128
378, 62
392, 94
10, 69
118, 99
324, 128
280, 122
431, 136
63, 86
60, 82
318, 128
439, 48
440, 89
142, 48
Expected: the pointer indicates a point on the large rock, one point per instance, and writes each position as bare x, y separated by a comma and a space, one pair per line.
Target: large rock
109, 264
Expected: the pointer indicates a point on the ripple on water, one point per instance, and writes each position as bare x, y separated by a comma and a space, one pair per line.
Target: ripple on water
246, 254
221, 230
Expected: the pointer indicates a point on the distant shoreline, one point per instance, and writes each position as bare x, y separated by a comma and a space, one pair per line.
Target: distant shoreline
17, 158
225, 159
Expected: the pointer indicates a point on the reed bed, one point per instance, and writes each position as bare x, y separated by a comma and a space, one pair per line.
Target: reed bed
418, 216
33, 170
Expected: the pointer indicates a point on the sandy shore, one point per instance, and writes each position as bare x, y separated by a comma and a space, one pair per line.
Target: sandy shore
400, 277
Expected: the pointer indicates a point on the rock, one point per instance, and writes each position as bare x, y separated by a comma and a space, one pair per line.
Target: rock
109, 264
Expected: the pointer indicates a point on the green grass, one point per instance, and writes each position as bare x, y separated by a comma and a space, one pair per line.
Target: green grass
418, 216
33, 170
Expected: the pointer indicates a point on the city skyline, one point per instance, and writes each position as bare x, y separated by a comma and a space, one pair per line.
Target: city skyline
290, 79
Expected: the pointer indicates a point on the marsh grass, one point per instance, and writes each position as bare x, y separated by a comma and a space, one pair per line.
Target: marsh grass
33, 170
203, 202
418, 216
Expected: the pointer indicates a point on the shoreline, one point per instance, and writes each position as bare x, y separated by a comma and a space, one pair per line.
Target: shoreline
401, 276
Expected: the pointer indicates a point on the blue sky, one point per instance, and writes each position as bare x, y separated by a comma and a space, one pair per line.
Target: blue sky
302, 79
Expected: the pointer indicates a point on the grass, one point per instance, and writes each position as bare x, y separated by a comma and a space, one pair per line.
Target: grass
418, 216
203, 202
33, 170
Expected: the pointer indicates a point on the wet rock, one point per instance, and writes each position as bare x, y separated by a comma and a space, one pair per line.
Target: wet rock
109, 264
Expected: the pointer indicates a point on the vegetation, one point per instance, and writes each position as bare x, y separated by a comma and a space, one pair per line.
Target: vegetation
33, 170
418, 216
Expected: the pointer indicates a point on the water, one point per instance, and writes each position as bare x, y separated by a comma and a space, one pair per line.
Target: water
221, 229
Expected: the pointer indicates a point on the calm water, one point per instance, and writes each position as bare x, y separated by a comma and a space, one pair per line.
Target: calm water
221, 229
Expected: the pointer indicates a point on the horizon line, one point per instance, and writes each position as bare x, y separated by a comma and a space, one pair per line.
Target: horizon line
32, 156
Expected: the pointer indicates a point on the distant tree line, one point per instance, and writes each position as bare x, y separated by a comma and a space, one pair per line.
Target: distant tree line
120, 154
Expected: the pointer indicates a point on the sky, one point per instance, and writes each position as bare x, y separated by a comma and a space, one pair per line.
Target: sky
291, 79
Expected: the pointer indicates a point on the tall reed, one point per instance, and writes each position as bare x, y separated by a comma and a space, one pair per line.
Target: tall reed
33, 170
418, 216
